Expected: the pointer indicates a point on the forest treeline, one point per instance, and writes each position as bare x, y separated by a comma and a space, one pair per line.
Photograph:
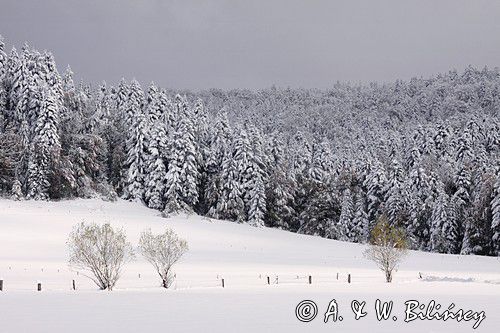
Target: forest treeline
425, 152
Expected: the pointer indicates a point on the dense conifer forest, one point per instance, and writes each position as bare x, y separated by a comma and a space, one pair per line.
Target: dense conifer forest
425, 153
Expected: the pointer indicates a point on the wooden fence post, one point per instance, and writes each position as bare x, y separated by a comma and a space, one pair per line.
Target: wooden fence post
222, 283
310, 279
268, 281
337, 276
348, 278
39, 286
74, 285
1, 285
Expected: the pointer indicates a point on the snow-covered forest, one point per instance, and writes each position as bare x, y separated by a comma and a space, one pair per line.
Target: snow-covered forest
425, 152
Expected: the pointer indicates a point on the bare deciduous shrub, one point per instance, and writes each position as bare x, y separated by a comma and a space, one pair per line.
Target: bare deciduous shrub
162, 251
101, 251
388, 246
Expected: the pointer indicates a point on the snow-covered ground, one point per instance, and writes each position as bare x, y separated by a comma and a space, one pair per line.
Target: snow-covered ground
32, 249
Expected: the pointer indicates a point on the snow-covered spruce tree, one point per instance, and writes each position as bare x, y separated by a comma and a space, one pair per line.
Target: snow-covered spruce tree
301, 154
435, 187
280, 199
441, 137
49, 75
131, 101
242, 152
451, 230
420, 211
12, 71
245, 172
300, 162
185, 143
423, 138
16, 192
255, 194
68, 85
359, 229
230, 204
25, 154
413, 155
3, 58
463, 147
153, 110
79, 166
136, 145
17, 76
93, 138
168, 110
316, 201
375, 183
492, 137
203, 134
495, 210
123, 94
136, 159
160, 132
29, 107
439, 218
182, 175
463, 185
218, 151
459, 203
117, 140
244, 182
45, 149
35, 101
322, 158
395, 195
280, 188
173, 204
3, 83
24, 86
156, 174
477, 229
97, 115
345, 222
10, 151
257, 201
320, 208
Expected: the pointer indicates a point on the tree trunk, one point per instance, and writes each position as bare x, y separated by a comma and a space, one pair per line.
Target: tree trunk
388, 276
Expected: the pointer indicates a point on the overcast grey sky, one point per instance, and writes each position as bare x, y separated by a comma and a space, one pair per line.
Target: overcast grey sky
257, 43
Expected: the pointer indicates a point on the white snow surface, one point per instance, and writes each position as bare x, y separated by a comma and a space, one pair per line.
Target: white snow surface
33, 249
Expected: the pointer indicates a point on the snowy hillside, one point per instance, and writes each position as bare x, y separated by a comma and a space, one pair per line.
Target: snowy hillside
32, 249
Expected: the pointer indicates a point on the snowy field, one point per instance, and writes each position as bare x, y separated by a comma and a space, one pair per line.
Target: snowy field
32, 250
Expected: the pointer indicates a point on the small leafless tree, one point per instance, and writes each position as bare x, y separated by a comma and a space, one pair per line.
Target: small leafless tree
100, 251
162, 251
388, 246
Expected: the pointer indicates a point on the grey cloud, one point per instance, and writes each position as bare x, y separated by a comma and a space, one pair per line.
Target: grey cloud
258, 43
